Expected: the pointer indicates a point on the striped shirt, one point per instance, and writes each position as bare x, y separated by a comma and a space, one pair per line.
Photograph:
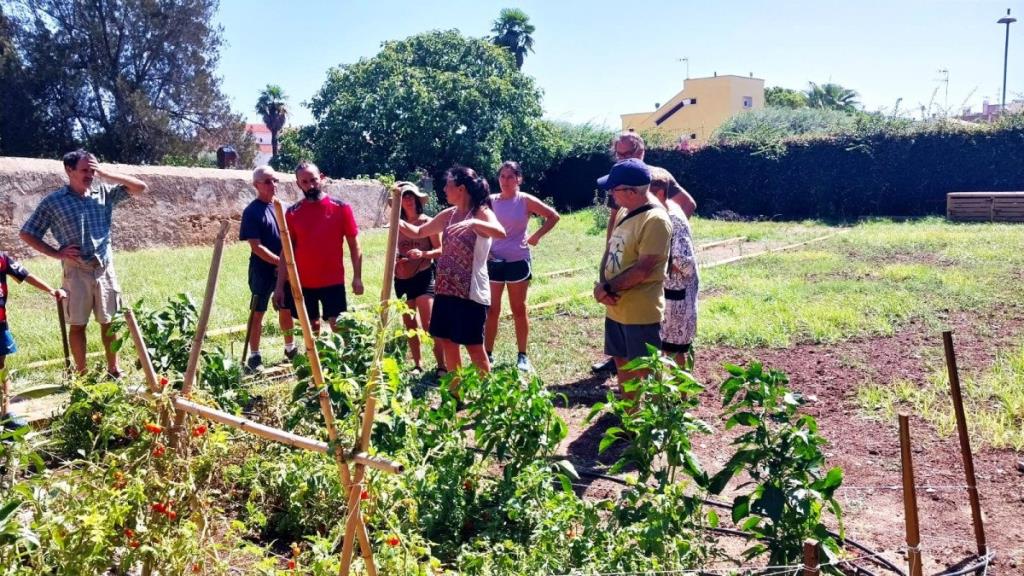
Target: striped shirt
82, 221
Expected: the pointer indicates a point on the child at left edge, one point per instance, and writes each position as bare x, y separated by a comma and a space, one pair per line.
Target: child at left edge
10, 266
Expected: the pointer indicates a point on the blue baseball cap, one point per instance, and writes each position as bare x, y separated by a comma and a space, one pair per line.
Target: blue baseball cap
628, 172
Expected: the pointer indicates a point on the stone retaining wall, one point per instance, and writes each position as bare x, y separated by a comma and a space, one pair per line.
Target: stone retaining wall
182, 207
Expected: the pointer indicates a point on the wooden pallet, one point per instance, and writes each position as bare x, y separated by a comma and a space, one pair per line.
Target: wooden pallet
985, 206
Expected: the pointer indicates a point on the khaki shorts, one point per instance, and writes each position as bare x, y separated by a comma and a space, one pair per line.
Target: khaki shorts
91, 288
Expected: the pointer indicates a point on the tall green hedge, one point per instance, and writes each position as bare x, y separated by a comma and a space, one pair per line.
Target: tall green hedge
876, 172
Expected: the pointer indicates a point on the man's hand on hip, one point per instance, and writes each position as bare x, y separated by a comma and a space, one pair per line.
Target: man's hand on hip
70, 252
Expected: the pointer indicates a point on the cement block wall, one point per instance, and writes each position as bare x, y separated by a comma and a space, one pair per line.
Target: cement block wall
183, 206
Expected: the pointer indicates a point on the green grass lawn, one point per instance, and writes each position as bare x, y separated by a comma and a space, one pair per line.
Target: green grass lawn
871, 280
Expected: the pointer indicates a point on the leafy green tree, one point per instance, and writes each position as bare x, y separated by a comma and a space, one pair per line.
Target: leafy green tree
134, 80
832, 96
512, 31
23, 128
779, 97
272, 107
427, 102
296, 146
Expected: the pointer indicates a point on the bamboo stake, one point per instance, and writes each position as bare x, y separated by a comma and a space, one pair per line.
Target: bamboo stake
197, 340
354, 525
288, 254
140, 346
147, 365
910, 500
965, 442
810, 558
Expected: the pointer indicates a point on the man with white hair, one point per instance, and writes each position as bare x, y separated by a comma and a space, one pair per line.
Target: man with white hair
259, 228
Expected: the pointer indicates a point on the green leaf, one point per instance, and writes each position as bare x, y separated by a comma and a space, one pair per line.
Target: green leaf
8, 509
740, 508
743, 418
770, 503
567, 467
712, 518
751, 523
609, 438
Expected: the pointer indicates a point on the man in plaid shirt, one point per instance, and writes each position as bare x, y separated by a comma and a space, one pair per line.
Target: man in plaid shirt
79, 216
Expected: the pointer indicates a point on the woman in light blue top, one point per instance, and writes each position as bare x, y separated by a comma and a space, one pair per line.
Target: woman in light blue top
509, 262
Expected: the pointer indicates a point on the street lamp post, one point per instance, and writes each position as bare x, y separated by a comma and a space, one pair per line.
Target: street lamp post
1006, 49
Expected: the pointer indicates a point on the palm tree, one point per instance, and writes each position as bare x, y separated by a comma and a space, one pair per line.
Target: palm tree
832, 96
512, 30
271, 106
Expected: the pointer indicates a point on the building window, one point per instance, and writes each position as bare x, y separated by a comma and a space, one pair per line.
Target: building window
693, 136
693, 101
748, 102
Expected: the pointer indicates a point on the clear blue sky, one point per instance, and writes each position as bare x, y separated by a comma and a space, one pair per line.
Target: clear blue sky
595, 60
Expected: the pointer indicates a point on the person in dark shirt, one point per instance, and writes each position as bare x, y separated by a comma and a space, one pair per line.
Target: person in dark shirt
259, 228
11, 267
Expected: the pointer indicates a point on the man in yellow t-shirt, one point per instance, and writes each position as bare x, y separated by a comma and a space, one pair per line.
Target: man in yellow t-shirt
633, 268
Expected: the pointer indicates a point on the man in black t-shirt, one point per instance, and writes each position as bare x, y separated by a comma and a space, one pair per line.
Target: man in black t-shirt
259, 228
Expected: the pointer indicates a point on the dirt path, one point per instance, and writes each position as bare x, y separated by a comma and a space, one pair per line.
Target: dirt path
867, 449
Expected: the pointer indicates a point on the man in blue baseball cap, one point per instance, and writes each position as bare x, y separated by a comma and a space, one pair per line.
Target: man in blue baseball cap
632, 273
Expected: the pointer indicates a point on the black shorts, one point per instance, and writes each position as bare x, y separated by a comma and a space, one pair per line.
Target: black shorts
458, 319
262, 281
332, 298
505, 272
675, 348
422, 283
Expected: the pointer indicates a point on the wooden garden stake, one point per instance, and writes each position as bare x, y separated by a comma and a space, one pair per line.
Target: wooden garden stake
354, 525
965, 443
140, 346
359, 456
910, 500
197, 340
810, 558
288, 253
64, 337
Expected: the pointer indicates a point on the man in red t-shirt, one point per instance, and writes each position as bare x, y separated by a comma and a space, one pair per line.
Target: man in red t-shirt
319, 225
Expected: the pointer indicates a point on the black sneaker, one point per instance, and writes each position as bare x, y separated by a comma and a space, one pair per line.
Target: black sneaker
292, 353
606, 366
254, 363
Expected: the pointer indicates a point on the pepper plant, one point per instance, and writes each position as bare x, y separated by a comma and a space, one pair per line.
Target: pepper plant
656, 415
780, 449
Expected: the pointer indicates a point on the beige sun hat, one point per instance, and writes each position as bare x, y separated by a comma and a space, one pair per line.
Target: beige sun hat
404, 187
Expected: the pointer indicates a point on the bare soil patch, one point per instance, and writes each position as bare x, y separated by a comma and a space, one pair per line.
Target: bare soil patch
867, 449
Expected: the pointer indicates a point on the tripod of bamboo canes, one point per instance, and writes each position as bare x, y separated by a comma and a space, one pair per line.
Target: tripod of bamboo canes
354, 523
182, 406
355, 527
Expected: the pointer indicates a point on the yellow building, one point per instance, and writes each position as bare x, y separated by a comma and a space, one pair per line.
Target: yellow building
692, 115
